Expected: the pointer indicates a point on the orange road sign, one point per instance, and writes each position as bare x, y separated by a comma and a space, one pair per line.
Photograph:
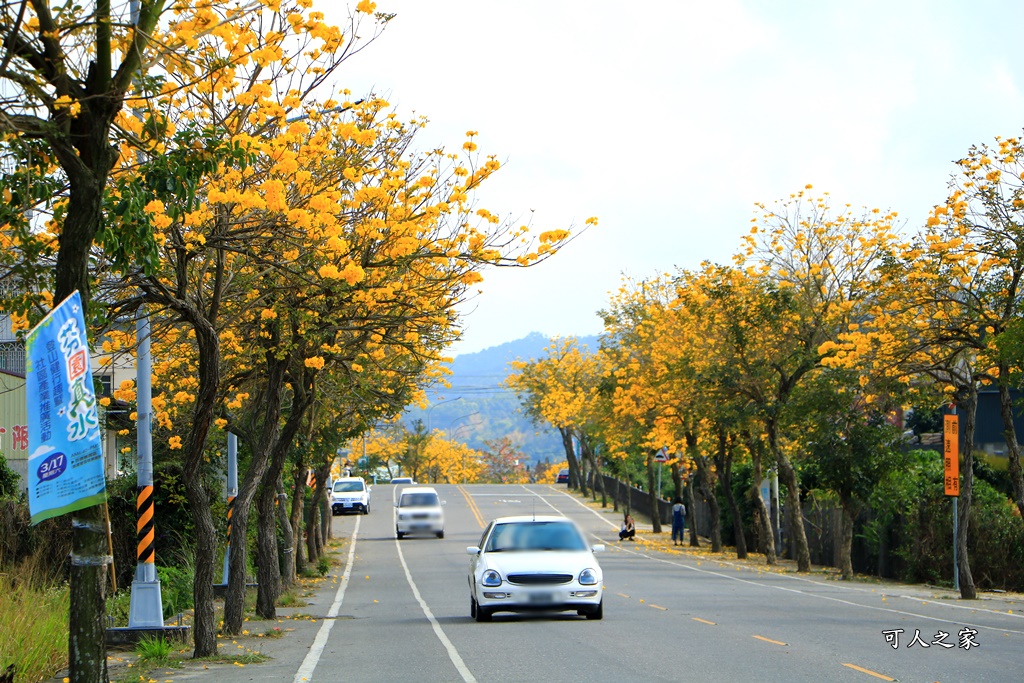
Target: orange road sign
951, 453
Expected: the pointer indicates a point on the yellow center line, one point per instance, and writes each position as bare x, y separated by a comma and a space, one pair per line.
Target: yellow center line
663, 609
472, 506
869, 672
769, 640
622, 595
704, 621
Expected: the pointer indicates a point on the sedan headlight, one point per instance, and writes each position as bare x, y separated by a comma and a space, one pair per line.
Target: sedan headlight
588, 577
491, 578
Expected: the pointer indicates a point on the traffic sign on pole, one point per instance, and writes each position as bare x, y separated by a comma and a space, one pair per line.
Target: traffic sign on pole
951, 454
661, 456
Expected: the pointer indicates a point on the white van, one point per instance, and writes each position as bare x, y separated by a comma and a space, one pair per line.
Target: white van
350, 494
419, 512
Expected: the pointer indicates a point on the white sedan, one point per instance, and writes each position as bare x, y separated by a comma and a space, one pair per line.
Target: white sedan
534, 564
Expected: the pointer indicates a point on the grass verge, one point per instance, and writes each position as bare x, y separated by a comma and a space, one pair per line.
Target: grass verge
34, 626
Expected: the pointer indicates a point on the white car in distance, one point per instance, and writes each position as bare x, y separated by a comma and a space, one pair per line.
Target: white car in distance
350, 494
536, 563
419, 511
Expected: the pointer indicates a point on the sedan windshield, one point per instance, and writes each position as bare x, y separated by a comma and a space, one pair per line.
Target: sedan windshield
348, 486
535, 536
418, 500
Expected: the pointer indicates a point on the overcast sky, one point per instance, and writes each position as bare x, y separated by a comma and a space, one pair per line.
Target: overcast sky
668, 120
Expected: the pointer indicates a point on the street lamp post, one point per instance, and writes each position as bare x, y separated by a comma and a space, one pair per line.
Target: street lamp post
439, 403
451, 439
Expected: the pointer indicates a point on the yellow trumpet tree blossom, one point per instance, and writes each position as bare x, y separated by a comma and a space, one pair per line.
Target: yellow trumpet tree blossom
812, 262
275, 216
949, 318
562, 388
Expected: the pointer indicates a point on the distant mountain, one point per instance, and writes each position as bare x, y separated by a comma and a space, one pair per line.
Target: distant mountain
478, 408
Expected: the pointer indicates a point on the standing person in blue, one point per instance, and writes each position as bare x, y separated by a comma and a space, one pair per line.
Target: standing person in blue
678, 521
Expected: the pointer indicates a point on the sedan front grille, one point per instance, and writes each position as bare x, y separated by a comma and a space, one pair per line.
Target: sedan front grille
539, 579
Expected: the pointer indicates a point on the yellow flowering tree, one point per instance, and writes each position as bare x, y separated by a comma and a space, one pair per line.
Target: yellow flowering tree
814, 261
277, 216
562, 389
67, 73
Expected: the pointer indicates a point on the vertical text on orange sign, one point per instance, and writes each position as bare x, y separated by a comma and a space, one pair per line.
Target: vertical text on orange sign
951, 454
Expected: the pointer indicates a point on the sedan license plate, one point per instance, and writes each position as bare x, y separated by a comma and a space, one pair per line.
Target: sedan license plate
541, 598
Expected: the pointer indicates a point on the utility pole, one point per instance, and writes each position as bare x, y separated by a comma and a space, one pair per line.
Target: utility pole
146, 607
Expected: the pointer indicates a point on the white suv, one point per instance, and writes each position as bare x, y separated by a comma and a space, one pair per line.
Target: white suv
419, 511
350, 494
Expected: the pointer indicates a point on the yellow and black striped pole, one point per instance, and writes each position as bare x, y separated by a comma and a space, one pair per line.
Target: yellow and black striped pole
145, 526
146, 609
231, 511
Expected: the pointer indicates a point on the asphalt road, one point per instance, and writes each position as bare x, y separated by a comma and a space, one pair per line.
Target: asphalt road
401, 613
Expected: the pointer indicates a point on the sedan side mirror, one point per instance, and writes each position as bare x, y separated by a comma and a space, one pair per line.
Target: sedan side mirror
599, 548
472, 550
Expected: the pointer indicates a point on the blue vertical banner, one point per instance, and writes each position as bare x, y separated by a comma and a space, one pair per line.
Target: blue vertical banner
65, 462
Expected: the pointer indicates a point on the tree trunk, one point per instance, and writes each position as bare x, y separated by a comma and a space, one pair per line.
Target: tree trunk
314, 522
585, 473
298, 506
268, 413
326, 533
724, 466
652, 494
1012, 445
204, 627
87, 635
287, 548
268, 569
969, 410
691, 503
601, 482
81, 145
268, 566
762, 519
846, 539
597, 481
570, 458
796, 513
87, 649
707, 488
312, 530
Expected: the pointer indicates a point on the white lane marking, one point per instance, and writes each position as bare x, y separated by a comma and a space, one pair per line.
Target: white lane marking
305, 672
795, 590
453, 654
856, 589
548, 503
580, 503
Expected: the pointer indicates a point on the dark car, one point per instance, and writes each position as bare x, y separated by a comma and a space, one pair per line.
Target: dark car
563, 477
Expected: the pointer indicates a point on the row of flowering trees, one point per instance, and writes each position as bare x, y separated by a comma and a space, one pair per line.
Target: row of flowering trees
438, 457
299, 261
801, 354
